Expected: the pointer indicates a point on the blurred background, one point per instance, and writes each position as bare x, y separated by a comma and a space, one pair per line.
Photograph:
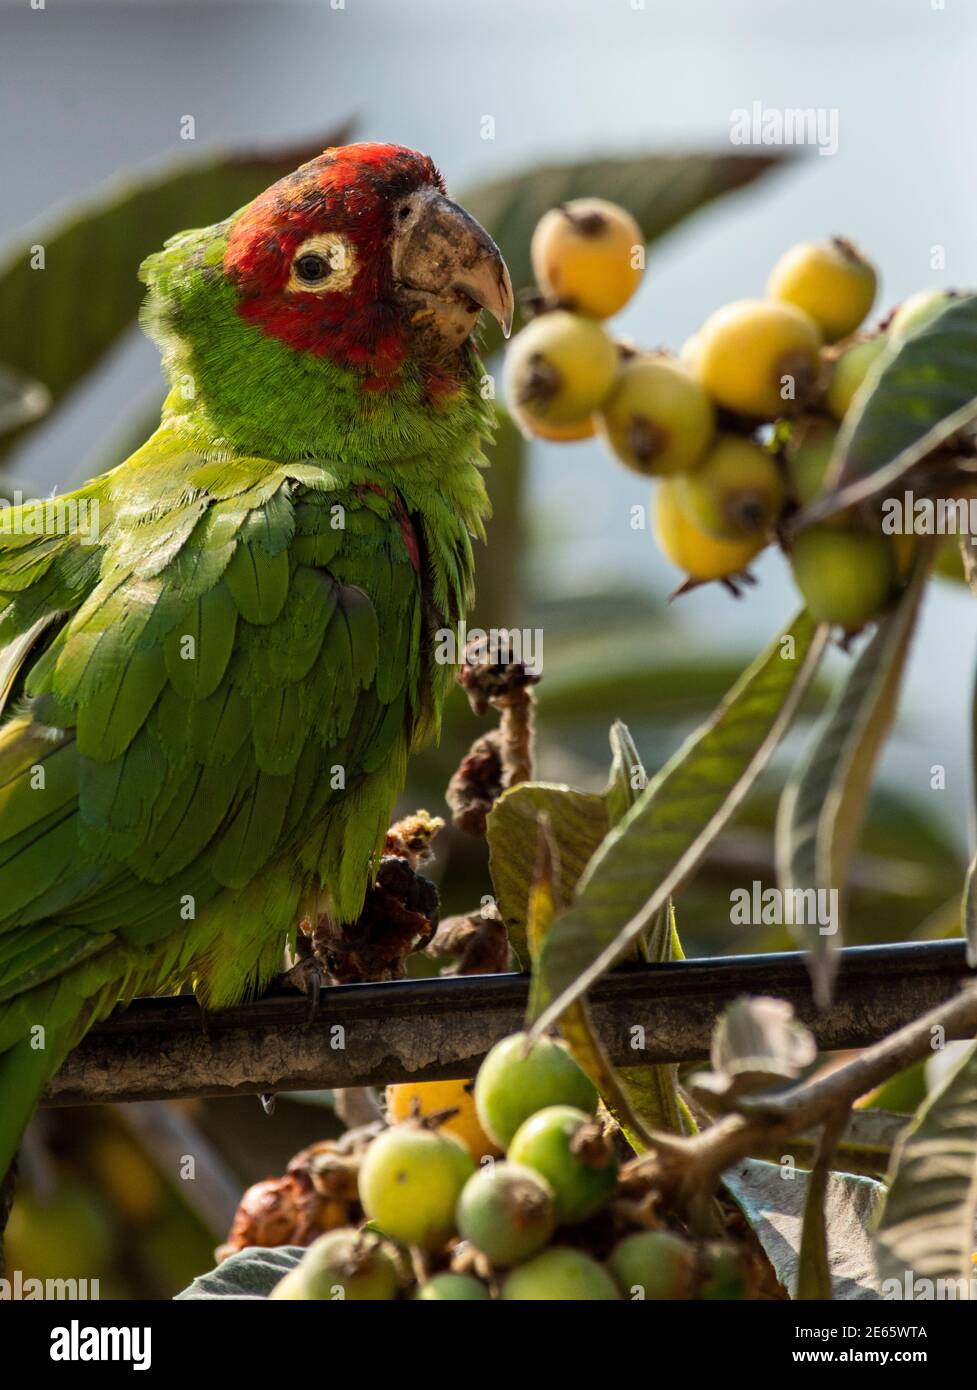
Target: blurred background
97, 92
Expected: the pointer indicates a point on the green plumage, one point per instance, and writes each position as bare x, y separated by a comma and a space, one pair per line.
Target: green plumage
180, 693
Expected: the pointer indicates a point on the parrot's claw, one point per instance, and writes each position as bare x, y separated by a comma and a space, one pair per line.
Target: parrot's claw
307, 975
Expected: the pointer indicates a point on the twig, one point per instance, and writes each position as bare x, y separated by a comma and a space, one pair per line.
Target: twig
696, 1163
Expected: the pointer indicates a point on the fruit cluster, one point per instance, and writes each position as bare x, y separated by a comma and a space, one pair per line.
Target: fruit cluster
511, 1189
739, 427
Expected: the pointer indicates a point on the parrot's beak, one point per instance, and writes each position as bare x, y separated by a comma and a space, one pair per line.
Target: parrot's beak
447, 269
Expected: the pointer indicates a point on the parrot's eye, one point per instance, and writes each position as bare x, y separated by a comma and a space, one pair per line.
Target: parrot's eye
323, 262
312, 268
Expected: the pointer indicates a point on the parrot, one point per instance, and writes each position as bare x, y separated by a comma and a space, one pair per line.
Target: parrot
209, 696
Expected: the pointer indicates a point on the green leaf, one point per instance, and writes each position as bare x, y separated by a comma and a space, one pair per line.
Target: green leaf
814, 1268
664, 836
774, 1203
824, 802
62, 319
927, 1227
658, 190
251, 1273
627, 776
578, 823
917, 394
659, 1094
864, 1147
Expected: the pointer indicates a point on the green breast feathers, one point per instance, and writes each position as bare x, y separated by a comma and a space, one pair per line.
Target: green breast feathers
208, 713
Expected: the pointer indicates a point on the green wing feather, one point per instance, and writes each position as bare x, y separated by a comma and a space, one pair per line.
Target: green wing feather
207, 715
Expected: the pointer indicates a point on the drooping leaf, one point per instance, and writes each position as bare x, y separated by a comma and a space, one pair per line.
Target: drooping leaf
251, 1273
928, 1226
824, 802
677, 817
659, 191
756, 1044
917, 395
110, 236
774, 1206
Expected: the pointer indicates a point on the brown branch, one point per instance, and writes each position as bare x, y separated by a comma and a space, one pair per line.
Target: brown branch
697, 1163
425, 1030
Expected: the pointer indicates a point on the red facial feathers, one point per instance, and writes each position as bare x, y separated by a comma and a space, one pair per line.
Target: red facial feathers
354, 191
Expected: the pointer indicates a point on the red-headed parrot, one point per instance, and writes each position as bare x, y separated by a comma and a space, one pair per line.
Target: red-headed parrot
216, 658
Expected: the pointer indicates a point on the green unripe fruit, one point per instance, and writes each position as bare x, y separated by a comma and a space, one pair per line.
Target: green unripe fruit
658, 419
917, 311
345, 1264
510, 1087
831, 281
758, 357
845, 576
849, 371
410, 1180
560, 368
558, 1275
736, 491
807, 455
724, 1275
572, 1153
653, 1265
452, 1288
507, 1212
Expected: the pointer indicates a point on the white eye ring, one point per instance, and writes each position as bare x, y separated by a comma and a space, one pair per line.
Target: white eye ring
339, 258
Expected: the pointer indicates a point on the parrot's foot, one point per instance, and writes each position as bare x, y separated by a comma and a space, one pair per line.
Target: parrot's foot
306, 974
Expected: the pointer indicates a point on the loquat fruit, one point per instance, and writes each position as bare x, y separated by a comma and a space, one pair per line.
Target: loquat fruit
845, 575
917, 311
507, 1211
351, 1264
511, 1086
559, 369
849, 370
585, 428
411, 1178
807, 455
701, 556
758, 357
657, 419
569, 1149
588, 254
452, 1288
736, 491
429, 1097
559, 1274
830, 280
653, 1265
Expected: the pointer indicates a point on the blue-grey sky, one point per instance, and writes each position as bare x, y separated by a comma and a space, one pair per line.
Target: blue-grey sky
92, 89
